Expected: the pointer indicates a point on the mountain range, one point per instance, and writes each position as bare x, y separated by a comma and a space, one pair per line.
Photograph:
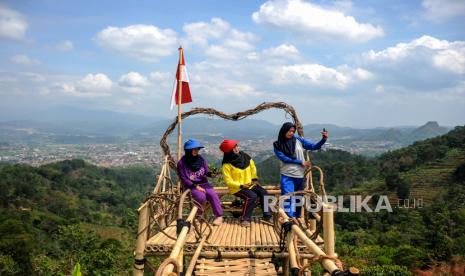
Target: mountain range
76, 125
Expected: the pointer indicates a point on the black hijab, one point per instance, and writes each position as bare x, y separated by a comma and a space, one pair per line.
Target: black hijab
192, 162
240, 160
285, 145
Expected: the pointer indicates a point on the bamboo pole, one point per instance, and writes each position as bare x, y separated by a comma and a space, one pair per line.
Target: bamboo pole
257, 254
272, 239
160, 178
258, 240
179, 106
291, 249
263, 235
222, 238
194, 258
218, 233
327, 264
180, 261
328, 229
141, 238
180, 241
274, 236
253, 228
241, 236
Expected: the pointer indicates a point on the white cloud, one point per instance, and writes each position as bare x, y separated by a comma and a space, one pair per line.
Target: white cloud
439, 10
65, 46
233, 47
317, 22
218, 40
91, 86
254, 56
13, 25
283, 50
133, 82
24, 60
240, 40
143, 42
361, 74
200, 32
427, 50
161, 76
424, 65
96, 82
319, 75
275, 55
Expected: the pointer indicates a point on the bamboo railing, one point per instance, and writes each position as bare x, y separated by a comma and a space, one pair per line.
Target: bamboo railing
303, 243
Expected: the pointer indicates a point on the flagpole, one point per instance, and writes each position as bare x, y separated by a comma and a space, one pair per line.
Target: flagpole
179, 106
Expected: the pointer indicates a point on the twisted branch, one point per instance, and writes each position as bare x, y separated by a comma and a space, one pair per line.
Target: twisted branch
232, 117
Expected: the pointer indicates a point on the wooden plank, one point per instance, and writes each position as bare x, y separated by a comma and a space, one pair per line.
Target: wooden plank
272, 235
264, 240
239, 267
253, 228
226, 233
218, 232
258, 240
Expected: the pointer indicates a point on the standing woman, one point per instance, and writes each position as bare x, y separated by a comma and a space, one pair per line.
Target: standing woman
193, 172
240, 175
290, 150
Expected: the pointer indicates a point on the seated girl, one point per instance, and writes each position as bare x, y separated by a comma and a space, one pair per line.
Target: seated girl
241, 178
193, 172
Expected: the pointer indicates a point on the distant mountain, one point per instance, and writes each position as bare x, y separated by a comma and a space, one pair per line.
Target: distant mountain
72, 125
104, 122
430, 129
207, 128
66, 124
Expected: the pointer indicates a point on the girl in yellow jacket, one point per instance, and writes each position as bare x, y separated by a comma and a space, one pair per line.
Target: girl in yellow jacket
240, 175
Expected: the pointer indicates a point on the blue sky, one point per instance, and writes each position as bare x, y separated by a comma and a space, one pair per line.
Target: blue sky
352, 63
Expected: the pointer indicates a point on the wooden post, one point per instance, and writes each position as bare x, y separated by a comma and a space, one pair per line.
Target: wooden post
327, 264
142, 233
291, 249
194, 258
179, 108
328, 229
309, 185
160, 178
180, 241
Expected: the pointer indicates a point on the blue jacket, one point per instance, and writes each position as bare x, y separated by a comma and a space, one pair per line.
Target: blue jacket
305, 143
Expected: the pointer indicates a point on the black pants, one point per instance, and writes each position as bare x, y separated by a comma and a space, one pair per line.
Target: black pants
250, 197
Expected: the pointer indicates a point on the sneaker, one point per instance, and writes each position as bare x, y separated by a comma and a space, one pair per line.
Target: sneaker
245, 223
218, 221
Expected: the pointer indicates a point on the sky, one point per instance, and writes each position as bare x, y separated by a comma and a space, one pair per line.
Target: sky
351, 63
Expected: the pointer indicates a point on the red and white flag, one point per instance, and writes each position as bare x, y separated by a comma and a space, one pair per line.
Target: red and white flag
185, 93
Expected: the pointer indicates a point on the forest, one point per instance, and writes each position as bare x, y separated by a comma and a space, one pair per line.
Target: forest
57, 215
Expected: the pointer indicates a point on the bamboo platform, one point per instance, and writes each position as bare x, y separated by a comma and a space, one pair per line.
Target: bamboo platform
233, 267
228, 237
231, 248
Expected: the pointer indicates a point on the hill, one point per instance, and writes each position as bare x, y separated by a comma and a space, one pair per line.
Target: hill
58, 214
426, 226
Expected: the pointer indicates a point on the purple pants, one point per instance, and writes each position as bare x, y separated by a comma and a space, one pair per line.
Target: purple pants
210, 195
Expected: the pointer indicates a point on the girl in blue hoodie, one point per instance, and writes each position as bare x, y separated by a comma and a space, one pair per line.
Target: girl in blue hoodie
289, 148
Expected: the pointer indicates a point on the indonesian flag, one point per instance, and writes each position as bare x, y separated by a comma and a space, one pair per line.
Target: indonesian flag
185, 93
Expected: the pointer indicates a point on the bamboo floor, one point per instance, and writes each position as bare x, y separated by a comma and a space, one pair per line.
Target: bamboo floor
230, 236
